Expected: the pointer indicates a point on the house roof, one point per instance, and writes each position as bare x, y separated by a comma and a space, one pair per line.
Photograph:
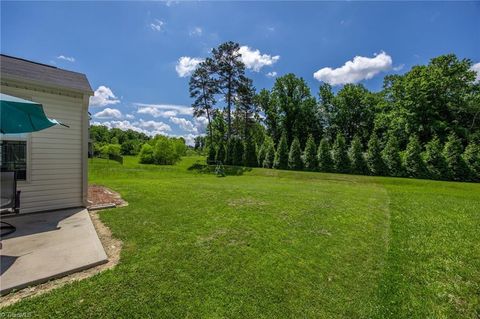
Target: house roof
42, 74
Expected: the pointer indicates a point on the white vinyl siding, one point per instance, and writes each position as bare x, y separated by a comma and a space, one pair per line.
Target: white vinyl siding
55, 155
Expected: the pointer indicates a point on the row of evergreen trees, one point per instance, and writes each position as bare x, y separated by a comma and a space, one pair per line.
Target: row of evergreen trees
436, 161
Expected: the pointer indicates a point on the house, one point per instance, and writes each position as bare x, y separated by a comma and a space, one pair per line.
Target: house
51, 165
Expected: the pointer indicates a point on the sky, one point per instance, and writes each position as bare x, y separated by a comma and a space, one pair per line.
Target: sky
138, 55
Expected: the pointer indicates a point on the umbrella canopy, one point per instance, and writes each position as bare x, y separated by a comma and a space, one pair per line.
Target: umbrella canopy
22, 116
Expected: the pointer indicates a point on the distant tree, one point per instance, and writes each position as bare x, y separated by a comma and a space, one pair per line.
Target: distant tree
471, 156
295, 155
250, 155
310, 154
269, 153
340, 155
412, 160
114, 140
203, 87
355, 154
452, 151
267, 104
220, 155
237, 151
391, 157
374, 156
434, 160
261, 150
212, 154
281, 155
325, 162
229, 152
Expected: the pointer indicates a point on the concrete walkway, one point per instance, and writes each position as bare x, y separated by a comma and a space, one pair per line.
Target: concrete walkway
48, 245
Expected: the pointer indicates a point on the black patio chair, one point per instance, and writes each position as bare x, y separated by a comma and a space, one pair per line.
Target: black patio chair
10, 200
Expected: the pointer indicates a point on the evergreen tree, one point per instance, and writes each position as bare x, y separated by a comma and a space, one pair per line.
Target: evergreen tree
355, 154
281, 155
471, 156
261, 154
412, 160
310, 154
220, 156
212, 153
250, 155
340, 156
435, 163
374, 156
295, 155
452, 151
325, 162
391, 156
237, 152
269, 154
229, 150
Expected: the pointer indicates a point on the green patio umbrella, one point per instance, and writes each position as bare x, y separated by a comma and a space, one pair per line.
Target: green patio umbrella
22, 116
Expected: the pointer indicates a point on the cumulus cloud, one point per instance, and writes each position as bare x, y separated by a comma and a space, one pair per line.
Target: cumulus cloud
66, 58
157, 25
254, 60
186, 65
197, 31
163, 110
150, 128
103, 96
130, 116
476, 68
201, 124
153, 126
109, 113
360, 68
272, 74
184, 124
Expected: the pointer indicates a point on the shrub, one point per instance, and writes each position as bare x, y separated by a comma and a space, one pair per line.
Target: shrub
325, 162
435, 163
281, 155
295, 155
471, 156
391, 157
374, 156
452, 151
310, 154
146, 154
339, 155
355, 154
412, 160
110, 149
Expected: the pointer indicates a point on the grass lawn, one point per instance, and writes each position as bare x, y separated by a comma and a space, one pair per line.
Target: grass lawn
279, 244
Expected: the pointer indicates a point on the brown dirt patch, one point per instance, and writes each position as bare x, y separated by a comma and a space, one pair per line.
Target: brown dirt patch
112, 248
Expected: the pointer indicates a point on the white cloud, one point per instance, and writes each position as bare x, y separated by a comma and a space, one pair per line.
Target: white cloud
197, 31
254, 60
130, 116
157, 25
186, 65
272, 74
185, 124
123, 125
66, 58
103, 96
201, 124
163, 110
170, 3
398, 67
150, 128
154, 126
476, 68
109, 113
360, 68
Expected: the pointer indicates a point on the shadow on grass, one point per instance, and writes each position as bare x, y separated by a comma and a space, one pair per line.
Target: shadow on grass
229, 170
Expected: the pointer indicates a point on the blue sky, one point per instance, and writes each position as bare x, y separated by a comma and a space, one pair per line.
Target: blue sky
131, 52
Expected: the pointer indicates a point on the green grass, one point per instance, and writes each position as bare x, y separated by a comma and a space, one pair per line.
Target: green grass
279, 244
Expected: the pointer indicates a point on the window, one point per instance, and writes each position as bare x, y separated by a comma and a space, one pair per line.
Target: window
14, 157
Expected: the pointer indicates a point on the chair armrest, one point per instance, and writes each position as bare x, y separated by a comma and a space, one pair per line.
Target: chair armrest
17, 202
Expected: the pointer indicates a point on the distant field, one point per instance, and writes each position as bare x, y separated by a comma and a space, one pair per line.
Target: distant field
279, 244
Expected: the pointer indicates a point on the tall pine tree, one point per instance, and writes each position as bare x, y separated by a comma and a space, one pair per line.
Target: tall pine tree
355, 154
281, 155
471, 156
435, 163
412, 160
374, 156
269, 153
452, 151
391, 156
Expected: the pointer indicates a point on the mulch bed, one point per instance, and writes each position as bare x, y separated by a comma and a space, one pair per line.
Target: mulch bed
103, 197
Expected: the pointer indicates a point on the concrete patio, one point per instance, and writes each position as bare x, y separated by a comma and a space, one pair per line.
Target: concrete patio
46, 246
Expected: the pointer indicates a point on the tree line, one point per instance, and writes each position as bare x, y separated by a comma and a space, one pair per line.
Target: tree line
424, 123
